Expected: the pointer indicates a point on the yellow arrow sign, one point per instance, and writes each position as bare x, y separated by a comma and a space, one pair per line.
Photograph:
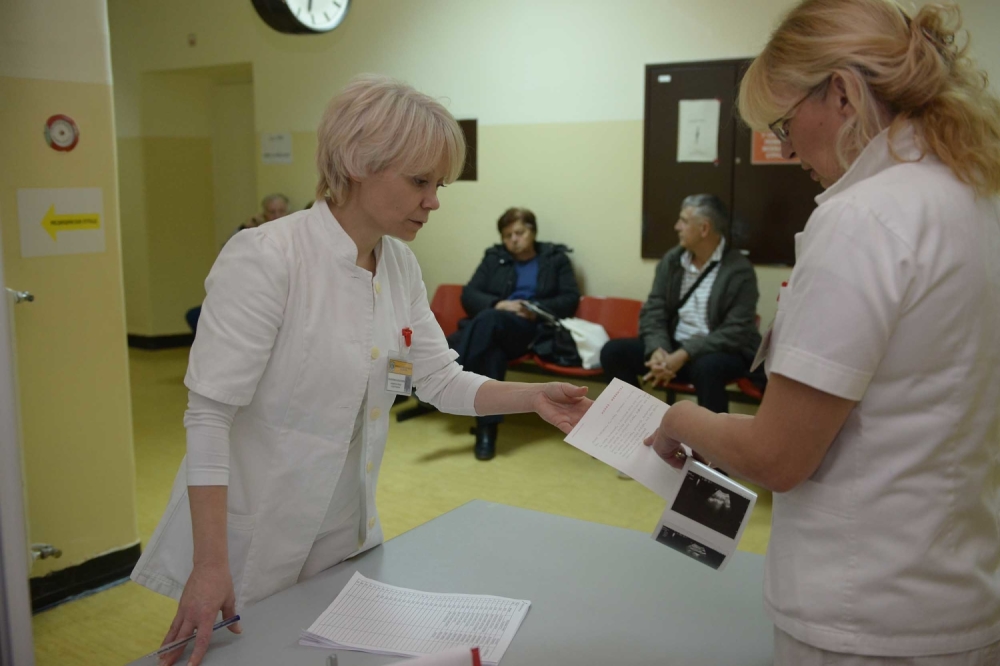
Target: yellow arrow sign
53, 223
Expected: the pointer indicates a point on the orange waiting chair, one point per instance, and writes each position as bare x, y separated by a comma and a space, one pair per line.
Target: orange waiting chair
618, 316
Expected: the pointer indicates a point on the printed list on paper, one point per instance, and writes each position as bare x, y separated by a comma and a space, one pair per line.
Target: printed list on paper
370, 616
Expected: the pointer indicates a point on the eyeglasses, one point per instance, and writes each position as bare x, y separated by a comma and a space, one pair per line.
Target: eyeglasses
780, 126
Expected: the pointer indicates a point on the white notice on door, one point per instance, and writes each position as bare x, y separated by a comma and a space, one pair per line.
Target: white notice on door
67, 220
698, 130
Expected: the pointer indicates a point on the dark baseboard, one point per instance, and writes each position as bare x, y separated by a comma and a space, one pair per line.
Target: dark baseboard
160, 341
58, 586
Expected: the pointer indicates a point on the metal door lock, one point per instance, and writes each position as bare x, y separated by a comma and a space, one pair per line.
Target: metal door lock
21, 296
43, 551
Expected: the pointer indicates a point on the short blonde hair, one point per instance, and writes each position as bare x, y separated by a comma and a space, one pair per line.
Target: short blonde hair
376, 123
914, 67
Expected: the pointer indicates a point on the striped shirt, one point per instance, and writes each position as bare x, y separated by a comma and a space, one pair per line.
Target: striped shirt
693, 316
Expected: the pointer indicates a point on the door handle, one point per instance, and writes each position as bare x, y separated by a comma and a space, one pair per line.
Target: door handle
43, 551
21, 296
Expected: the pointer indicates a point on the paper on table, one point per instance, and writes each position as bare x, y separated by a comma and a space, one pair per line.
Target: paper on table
456, 657
370, 616
612, 431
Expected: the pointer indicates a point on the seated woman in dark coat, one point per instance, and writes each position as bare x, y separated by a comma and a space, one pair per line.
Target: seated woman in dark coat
499, 327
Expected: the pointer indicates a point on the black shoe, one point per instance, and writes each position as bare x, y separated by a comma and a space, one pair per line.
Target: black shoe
486, 441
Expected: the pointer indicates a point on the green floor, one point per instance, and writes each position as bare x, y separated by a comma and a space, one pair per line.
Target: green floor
428, 470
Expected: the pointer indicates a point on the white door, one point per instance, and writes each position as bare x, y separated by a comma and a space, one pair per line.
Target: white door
16, 645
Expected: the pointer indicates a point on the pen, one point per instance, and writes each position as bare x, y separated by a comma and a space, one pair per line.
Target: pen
176, 644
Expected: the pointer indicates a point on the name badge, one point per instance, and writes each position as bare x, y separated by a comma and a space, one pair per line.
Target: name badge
399, 378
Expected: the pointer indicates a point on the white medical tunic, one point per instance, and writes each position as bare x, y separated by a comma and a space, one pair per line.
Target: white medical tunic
298, 336
892, 548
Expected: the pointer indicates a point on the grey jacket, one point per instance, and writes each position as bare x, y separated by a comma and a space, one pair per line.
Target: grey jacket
732, 308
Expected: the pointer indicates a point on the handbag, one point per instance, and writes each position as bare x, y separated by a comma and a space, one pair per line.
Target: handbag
589, 338
553, 343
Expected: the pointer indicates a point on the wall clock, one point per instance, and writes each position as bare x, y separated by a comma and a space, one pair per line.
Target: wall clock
299, 17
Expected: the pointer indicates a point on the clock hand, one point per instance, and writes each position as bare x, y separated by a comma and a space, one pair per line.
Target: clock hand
310, 6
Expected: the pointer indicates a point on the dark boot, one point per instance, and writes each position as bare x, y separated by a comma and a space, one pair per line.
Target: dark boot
486, 441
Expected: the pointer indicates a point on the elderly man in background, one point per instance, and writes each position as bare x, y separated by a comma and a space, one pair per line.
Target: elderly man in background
272, 207
698, 324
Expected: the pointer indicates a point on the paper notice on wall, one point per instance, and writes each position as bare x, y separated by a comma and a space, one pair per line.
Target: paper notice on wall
698, 130
68, 220
767, 150
276, 148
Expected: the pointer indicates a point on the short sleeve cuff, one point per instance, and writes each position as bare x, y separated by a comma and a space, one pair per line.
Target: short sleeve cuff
819, 373
226, 397
207, 477
475, 382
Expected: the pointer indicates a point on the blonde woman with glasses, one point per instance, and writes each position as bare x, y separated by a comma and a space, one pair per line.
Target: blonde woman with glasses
309, 330
879, 429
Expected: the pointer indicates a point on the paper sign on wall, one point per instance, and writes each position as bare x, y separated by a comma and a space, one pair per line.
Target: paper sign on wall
276, 148
61, 221
698, 130
767, 150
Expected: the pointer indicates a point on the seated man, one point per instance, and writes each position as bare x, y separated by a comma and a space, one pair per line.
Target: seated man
698, 323
500, 328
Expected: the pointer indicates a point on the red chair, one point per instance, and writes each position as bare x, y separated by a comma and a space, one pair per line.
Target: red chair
748, 391
618, 316
447, 307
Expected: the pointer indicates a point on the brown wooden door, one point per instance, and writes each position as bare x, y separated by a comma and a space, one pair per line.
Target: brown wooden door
773, 202
665, 181
769, 202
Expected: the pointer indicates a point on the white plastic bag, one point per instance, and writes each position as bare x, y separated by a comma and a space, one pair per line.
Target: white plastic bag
589, 338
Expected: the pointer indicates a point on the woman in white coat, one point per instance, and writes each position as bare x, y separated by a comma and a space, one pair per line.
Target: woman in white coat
289, 385
879, 428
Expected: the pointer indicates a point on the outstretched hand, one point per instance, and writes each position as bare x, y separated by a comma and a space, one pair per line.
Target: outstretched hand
561, 404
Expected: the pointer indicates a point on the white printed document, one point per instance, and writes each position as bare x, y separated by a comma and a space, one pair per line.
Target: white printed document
369, 616
612, 431
706, 511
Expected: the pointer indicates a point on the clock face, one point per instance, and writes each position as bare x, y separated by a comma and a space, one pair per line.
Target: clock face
318, 15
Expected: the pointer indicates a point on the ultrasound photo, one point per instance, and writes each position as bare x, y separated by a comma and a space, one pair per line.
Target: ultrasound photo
711, 505
690, 547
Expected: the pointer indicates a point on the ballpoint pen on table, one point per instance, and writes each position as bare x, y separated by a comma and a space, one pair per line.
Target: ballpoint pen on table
169, 647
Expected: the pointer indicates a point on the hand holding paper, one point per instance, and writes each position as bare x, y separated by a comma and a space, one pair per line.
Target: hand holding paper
613, 431
706, 512
668, 448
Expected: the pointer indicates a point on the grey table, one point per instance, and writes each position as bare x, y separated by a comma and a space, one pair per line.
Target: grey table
599, 595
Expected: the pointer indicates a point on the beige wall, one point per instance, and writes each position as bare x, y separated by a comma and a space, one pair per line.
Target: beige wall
234, 174
557, 87
70, 343
188, 181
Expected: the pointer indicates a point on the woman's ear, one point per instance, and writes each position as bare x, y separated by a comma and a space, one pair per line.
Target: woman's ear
838, 94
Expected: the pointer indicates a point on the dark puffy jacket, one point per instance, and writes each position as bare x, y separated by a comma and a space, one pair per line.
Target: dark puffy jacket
496, 278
